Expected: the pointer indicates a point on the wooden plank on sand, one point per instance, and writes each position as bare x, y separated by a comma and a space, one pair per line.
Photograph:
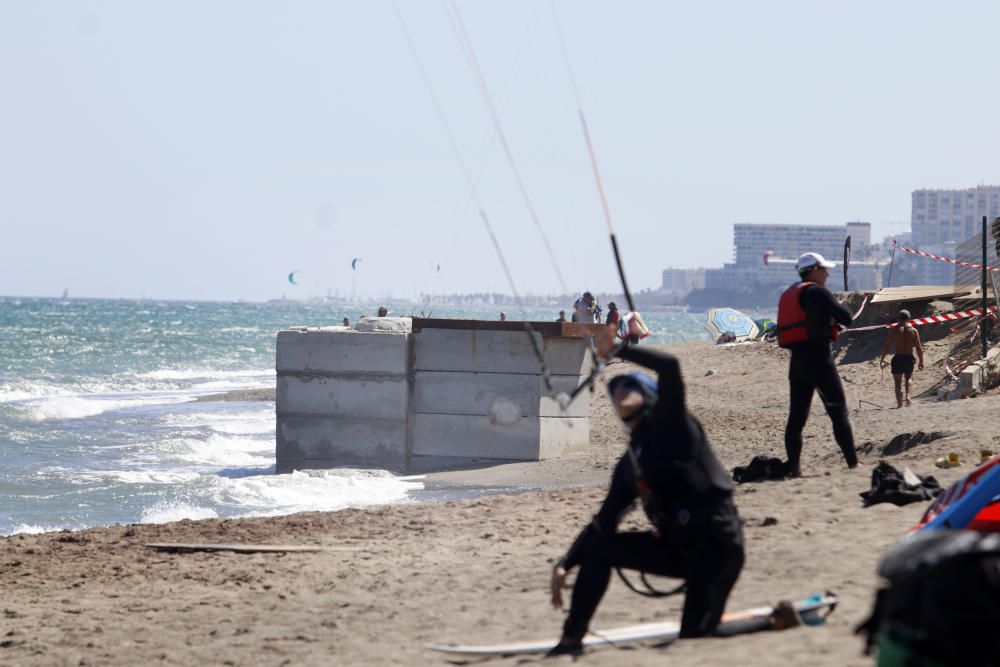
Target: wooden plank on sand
244, 548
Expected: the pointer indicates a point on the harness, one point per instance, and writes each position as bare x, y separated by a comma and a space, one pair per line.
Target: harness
645, 496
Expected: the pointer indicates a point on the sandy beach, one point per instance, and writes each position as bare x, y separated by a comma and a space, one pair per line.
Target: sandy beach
476, 571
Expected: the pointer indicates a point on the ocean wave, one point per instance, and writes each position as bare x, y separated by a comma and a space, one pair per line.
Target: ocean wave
245, 422
301, 491
141, 476
217, 450
267, 494
32, 529
75, 406
167, 511
25, 390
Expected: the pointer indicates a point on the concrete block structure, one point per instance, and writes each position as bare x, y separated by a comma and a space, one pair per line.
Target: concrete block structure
448, 389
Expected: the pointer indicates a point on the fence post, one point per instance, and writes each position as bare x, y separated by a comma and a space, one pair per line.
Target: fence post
984, 322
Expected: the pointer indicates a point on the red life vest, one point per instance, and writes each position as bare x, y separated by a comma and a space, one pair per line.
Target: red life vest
792, 319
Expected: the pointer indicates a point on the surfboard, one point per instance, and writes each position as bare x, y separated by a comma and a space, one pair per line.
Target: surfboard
813, 611
245, 548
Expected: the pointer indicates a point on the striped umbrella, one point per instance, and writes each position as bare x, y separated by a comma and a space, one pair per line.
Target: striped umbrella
722, 320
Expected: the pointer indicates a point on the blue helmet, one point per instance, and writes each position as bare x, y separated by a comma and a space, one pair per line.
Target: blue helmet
640, 382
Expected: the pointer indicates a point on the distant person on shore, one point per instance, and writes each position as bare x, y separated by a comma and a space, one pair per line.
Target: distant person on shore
562, 316
586, 308
347, 322
613, 316
904, 339
631, 328
503, 316
686, 494
383, 311
808, 319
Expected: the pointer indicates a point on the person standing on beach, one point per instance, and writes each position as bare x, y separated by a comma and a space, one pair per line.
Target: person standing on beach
613, 316
808, 319
696, 533
587, 309
904, 339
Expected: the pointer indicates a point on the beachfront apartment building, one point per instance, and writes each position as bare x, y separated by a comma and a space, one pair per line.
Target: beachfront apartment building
951, 216
682, 280
941, 220
782, 244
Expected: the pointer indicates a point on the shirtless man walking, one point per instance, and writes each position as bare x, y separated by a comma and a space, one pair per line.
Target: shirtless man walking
904, 339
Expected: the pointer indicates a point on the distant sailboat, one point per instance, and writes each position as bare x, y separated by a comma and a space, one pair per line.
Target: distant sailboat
65, 293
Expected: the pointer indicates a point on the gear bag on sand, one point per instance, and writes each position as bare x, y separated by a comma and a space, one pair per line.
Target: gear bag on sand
941, 606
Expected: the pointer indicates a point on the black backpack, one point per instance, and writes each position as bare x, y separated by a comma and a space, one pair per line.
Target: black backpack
942, 602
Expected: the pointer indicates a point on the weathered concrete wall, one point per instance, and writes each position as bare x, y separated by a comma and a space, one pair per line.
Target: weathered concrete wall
387, 396
342, 398
480, 394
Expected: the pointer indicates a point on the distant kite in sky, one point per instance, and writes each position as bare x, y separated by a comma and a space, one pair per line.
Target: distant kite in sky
291, 277
355, 262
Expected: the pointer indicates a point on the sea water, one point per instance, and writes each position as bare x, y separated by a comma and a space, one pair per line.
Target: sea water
100, 422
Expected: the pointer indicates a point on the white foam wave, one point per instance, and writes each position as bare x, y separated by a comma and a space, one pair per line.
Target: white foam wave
142, 476
25, 391
166, 512
31, 529
78, 407
219, 451
191, 379
274, 495
254, 422
329, 490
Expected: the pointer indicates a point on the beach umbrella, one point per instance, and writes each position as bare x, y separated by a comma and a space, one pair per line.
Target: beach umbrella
721, 320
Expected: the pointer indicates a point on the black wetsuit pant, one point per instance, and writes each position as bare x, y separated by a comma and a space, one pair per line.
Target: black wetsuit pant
811, 370
710, 566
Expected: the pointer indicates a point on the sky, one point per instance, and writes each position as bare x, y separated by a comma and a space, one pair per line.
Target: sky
204, 150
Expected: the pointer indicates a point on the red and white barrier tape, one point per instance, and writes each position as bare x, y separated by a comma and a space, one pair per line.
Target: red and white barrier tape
933, 319
943, 259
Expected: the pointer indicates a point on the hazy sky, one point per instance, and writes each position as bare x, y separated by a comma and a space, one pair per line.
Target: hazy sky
206, 149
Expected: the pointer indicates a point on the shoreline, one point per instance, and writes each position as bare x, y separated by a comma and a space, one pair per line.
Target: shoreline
256, 395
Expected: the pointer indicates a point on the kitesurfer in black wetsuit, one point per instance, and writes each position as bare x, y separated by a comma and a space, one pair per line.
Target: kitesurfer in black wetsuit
808, 321
685, 492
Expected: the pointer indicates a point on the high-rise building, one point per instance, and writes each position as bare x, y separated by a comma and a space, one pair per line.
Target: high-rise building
941, 220
951, 216
781, 245
683, 280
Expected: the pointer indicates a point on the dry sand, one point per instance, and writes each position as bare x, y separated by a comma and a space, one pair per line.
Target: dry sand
477, 570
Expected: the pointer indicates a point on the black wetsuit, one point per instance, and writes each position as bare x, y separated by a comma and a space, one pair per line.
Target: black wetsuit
812, 369
698, 536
